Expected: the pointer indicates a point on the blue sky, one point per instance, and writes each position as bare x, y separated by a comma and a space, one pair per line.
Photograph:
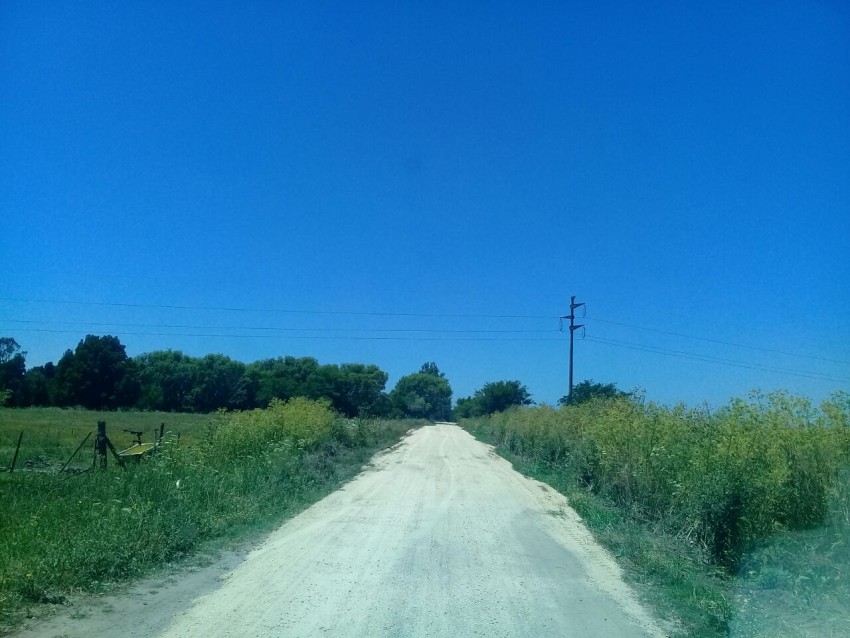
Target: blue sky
682, 169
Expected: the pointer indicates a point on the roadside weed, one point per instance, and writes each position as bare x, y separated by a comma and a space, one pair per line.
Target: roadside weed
691, 499
242, 471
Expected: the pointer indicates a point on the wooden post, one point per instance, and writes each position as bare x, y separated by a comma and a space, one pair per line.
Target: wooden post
100, 442
17, 449
115, 453
79, 447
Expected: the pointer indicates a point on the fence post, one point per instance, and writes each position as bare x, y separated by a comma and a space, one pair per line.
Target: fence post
100, 442
17, 449
79, 447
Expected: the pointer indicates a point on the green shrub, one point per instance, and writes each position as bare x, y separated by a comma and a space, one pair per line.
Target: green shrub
301, 422
724, 480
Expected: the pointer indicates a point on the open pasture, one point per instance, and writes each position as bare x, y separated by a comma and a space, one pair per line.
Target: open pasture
52, 434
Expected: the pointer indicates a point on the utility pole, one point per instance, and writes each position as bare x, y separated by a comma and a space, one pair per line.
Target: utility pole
573, 327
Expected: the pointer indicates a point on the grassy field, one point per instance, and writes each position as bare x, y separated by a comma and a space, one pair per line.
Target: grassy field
229, 474
737, 521
52, 434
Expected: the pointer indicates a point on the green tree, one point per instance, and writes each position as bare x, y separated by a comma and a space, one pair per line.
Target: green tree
167, 378
13, 367
352, 388
466, 408
98, 375
360, 390
423, 395
37, 382
65, 380
219, 382
587, 390
496, 396
284, 378
429, 367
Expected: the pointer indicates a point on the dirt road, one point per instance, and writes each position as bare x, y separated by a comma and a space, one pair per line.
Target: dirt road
439, 538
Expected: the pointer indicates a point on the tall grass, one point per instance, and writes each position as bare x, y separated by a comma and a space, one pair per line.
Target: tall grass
723, 480
64, 533
798, 583
720, 484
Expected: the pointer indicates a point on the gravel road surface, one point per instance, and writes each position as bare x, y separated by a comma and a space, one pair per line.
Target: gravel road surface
440, 537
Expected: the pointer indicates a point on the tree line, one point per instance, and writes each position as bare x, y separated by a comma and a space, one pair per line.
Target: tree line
99, 375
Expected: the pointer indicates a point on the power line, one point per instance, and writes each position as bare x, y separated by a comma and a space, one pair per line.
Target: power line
280, 310
411, 315
272, 328
407, 334
311, 337
717, 341
710, 359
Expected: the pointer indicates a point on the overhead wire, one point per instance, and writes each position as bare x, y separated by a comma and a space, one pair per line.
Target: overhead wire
414, 315
716, 341
412, 334
711, 359
271, 328
311, 337
281, 310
